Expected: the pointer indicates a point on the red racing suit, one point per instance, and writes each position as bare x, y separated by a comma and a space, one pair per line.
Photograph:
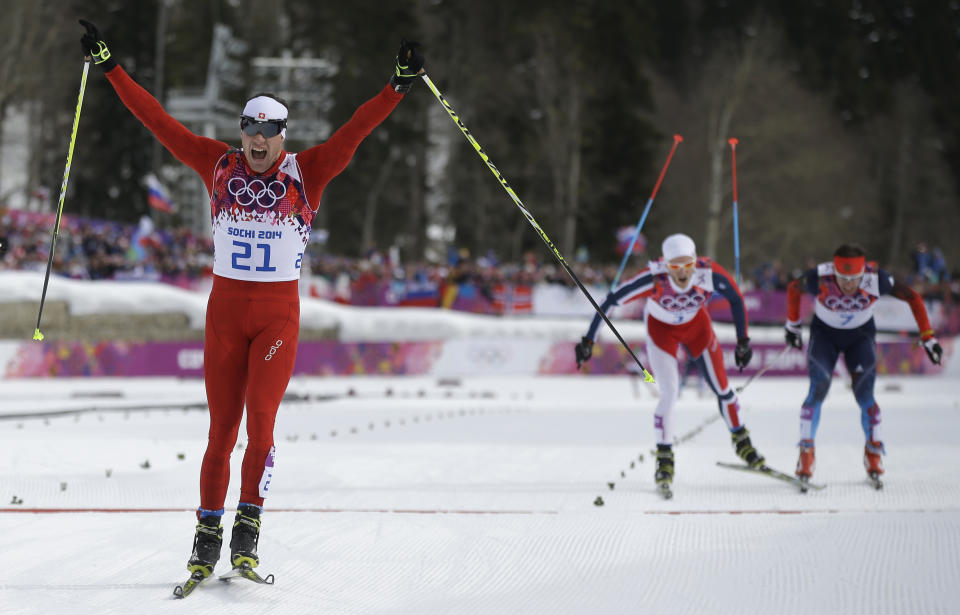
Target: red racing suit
261, 224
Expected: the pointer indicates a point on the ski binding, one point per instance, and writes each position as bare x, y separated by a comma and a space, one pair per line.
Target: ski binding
244, 571
196, 577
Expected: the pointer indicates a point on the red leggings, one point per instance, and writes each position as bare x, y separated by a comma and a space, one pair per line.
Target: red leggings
249, 350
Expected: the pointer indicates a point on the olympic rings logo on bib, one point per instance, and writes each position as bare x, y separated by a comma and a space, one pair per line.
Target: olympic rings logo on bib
681, 302
847, 304
256, 191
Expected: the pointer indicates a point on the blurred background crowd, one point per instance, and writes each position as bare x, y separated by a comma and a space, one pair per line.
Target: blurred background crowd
93, 249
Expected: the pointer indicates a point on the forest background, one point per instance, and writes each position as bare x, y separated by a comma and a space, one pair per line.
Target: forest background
847, 114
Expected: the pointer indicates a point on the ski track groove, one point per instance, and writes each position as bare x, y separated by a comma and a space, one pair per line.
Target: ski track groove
719, 546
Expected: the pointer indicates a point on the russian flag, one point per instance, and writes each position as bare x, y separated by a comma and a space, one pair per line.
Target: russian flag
624, 235
157, 197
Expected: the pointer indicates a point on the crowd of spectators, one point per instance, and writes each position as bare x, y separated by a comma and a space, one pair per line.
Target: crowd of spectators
101, 250
97, 249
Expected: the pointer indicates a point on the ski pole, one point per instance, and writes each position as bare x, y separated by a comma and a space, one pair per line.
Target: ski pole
643, 218
736, 222
543, 235
37, 335
763, 369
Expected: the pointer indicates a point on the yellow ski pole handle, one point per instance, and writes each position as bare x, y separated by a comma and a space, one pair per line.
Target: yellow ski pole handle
526, 214
37, 334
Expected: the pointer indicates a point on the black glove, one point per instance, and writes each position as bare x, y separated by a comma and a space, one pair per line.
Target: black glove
793, 335
409, 63
742, 353
934, 351
94, 47
583, 350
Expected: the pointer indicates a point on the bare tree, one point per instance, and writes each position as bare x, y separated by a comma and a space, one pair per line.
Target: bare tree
367, 239
914, 179
730, 74
559, 95
32, 31
804, 180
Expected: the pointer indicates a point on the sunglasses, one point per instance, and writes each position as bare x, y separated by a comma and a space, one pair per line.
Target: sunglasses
682, 266
848, 278
268, 128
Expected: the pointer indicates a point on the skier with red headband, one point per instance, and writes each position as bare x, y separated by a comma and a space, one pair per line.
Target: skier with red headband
677, 288
263, 200
847, 290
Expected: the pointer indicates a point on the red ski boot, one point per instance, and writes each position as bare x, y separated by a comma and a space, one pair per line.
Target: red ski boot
806, 462
873, 462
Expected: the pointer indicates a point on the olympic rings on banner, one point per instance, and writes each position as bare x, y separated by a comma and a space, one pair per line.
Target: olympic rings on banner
487, 354
257, 191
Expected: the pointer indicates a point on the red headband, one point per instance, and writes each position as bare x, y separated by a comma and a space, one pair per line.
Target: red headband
849, 265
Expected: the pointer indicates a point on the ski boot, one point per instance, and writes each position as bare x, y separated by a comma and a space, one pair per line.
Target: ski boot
744, 448
806, 462
873, 463
246, 534
206, 546
664, 473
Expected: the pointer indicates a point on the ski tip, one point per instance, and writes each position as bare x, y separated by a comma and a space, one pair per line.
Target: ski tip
647, 377
37, 335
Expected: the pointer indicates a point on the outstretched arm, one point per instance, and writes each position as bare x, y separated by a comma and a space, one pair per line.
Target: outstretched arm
723, 282
325, 161
905, 293
639, 286
199, 153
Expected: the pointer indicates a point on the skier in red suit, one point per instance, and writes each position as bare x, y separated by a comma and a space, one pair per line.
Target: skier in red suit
262, 203
677, 288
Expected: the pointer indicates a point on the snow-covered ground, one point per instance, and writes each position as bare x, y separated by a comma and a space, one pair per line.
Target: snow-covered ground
426, 496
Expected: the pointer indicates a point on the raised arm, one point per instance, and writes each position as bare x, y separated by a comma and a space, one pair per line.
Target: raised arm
325, 161
639, 286
199, 153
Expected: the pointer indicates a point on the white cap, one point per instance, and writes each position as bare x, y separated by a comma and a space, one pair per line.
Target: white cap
678, 245
263, 108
